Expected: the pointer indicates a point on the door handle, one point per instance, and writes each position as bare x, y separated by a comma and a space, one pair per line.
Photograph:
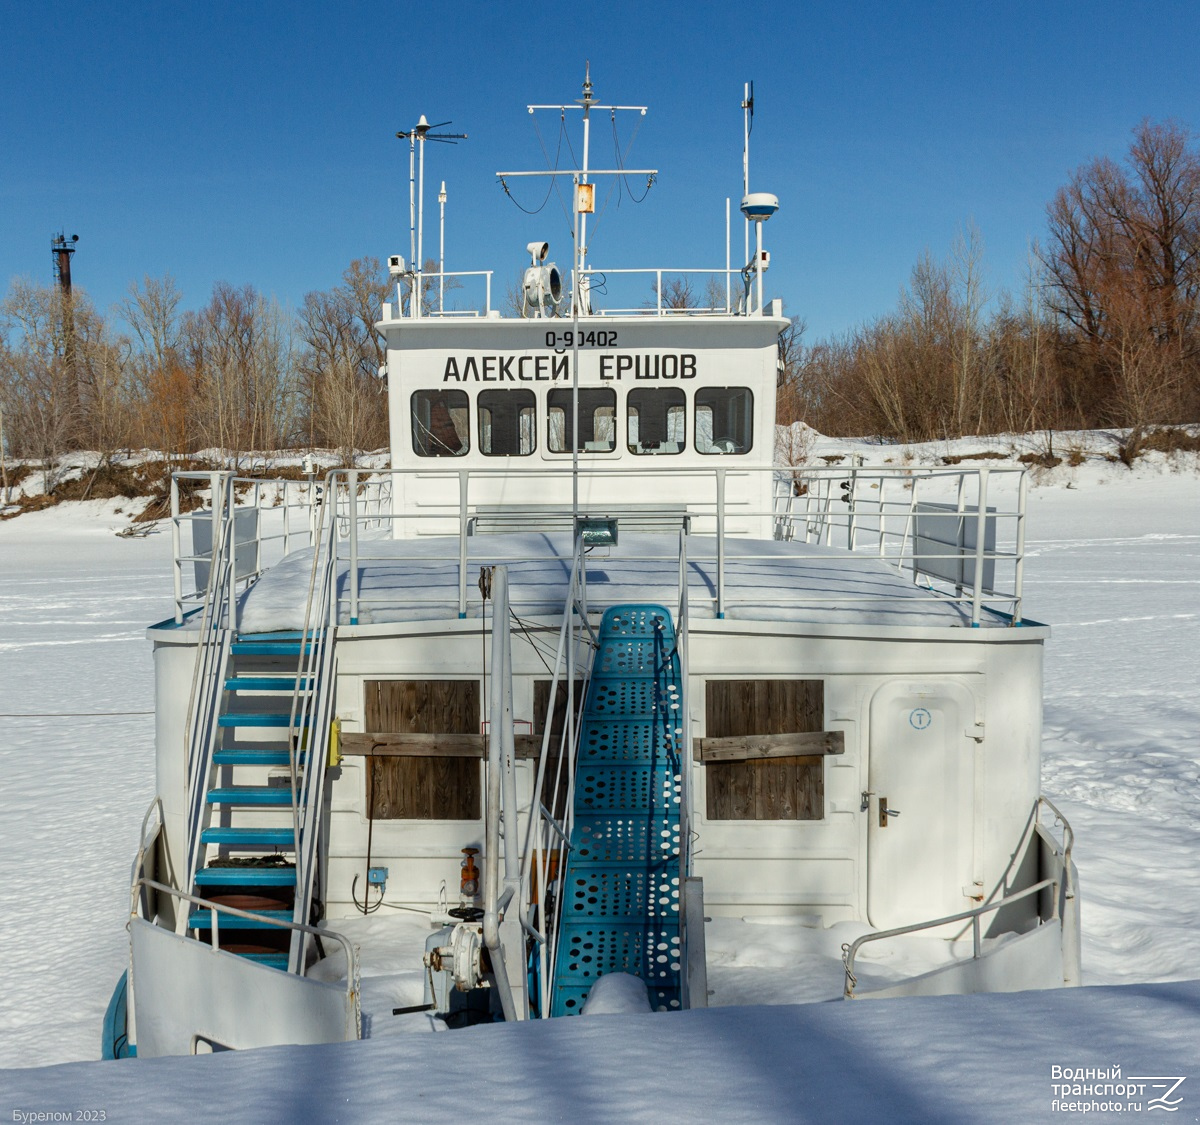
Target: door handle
885, 812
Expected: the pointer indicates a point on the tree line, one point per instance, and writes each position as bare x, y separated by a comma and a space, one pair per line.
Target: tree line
239, 374
1105, 330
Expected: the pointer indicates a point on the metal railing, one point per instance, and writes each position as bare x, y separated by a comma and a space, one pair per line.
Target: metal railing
680, 302
217, 621
976, 564
1060, 886
274, 517
217, 910
434, 305
310, 721
501, 814
881, 509
548, 837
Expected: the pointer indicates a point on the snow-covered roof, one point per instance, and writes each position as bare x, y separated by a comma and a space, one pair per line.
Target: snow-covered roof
418, 580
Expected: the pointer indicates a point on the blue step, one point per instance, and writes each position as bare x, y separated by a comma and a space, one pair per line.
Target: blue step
246, 877
275, 960
282, 635
268, 648
256, 719
201, 919
261, 757
263, 683
251, 795
249, 837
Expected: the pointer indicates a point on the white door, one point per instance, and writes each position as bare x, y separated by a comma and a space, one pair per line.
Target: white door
920, 802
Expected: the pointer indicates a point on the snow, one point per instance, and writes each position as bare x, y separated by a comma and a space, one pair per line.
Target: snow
952, 1059
1113, 564
616, 994
414, 580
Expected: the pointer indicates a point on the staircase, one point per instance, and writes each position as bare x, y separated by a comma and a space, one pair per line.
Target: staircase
247, 856
620, 889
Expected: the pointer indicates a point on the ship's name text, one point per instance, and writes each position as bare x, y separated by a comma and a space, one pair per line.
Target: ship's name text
556, 368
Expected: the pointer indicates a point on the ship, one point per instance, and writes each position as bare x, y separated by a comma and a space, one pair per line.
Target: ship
591, 673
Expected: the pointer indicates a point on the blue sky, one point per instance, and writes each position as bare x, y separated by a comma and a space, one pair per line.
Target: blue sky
256, 142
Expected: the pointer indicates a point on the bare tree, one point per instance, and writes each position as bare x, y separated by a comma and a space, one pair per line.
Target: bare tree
1123, 259
341, 359
239, 350
41, 397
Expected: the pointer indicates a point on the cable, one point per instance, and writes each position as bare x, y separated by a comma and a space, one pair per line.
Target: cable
532, 642
620, 157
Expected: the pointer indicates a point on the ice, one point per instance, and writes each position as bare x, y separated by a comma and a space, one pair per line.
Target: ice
1113, 565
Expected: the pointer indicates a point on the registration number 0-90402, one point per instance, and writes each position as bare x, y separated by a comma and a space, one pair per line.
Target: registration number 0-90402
590, 338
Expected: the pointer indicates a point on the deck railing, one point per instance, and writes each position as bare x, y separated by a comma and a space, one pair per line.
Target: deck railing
957, 531
1060, 911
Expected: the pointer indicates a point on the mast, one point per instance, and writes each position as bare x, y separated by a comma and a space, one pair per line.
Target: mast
419, 134
747, 125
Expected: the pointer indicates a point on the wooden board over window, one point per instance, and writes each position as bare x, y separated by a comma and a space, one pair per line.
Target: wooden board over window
555, 800
775, 788
423, 788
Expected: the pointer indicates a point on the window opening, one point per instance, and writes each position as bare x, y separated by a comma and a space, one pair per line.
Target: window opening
655, 420
597, 420
507, 423
724, 420
440, 426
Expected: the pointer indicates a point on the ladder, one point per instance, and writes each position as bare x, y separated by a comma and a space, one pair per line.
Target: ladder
248, 857
620, 889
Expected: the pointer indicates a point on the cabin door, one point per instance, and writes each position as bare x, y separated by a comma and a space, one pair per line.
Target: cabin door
920, 802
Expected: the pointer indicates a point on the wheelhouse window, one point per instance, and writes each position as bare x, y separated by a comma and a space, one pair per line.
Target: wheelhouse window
655, 420
507, 423
440, 423
724, 420
597, 420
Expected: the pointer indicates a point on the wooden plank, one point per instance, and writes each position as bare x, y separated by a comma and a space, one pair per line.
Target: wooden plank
384, 745
440, 784
764, 749
795, 744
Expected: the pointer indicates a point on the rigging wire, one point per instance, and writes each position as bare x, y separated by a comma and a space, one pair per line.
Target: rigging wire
554, 185
533, 644
622, 156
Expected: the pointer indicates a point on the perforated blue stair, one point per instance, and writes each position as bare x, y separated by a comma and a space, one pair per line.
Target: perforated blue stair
620, 910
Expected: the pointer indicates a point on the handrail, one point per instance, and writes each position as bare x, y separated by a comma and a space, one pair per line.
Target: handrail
850, 950
545, 834
217, 908
311, 715
501, 796
1063, 890
1068, 843
216, 623
687, 779
139, 862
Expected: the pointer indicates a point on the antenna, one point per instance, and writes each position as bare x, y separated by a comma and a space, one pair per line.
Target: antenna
747, 129
419, 134
584, 204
